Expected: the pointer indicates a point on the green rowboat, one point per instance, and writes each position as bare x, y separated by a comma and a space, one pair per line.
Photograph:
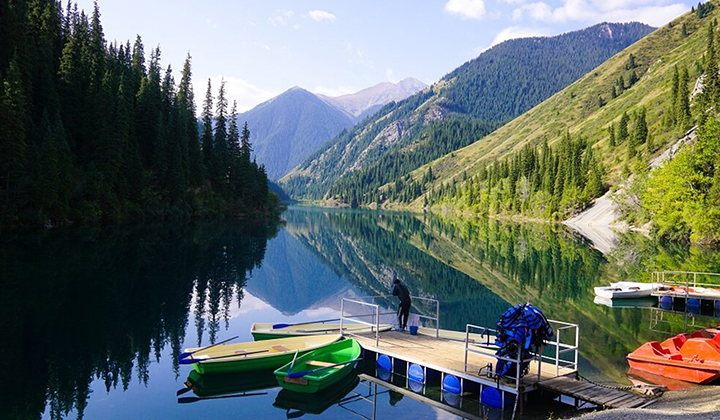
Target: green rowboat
253, 355
319, 402
321, 368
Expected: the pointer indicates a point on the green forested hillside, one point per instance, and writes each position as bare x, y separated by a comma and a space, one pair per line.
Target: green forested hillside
465, 105
602, 131
91, 131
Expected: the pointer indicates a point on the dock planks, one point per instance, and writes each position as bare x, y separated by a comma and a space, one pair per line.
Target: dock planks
596, 394
448, 355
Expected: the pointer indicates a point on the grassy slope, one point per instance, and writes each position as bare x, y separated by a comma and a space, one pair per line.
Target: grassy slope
575, 109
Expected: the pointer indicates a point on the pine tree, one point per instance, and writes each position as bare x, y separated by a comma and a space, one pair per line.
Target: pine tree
683, 100
611, 131
220, 145
206, 138
640, 133
235, 155
712, 79
186, 104
623, 131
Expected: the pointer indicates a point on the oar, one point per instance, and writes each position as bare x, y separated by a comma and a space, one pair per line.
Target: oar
293, 375
191, 361
293, 360
323, 330
188, 387
187, 354
279, 326
185, 400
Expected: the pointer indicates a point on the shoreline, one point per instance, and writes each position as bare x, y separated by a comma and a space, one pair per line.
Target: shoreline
700, 402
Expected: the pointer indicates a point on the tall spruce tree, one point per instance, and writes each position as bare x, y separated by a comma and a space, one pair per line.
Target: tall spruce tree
206, 138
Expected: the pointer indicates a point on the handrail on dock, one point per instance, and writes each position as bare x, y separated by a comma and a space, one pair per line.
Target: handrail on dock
376, 312
363, 300
561, 348
661, 277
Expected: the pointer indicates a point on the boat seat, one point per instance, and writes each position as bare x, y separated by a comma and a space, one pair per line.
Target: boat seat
319, 363
281, 348
679, 340
670, 353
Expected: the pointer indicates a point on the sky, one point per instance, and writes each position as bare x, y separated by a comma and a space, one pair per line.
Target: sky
262, 48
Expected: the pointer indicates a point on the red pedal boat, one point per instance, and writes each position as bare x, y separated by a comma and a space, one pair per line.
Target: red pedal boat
688, 357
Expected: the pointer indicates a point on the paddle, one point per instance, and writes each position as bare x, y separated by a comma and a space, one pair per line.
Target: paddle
293, 375
185, 354
321, 330
181, 391
279, 326
186, 400
191, 361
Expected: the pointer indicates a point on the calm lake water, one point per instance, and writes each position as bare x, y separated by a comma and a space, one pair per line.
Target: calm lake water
93, 318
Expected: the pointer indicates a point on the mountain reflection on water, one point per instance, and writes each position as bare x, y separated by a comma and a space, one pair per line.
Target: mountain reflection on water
107, 310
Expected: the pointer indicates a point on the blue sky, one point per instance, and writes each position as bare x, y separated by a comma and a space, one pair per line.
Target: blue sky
263, 48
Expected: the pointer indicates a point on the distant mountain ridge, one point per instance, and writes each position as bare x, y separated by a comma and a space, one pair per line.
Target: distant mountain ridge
464, 106
368, 101
289, 127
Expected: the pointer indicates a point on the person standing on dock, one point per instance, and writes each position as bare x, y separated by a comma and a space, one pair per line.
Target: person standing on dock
402, 292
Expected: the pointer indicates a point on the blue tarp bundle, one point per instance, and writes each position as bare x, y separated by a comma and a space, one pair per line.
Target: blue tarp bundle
520, 329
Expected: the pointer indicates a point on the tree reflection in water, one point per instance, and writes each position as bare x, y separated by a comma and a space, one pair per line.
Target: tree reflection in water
81, 304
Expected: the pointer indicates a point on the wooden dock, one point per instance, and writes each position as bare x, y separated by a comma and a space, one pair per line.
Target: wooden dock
463, 363
440, 357
596, 394
447, 357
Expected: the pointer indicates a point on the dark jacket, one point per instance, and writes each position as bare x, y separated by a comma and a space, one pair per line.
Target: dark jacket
401, 291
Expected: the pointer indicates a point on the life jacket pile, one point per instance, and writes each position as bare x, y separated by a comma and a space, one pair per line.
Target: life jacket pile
522, 328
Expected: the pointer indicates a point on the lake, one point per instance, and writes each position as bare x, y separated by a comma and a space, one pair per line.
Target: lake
94, 317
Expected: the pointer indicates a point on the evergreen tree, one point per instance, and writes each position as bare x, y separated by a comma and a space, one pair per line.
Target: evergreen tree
683, 100
623, 130
220, 145
712, 79
186, 104
206, 138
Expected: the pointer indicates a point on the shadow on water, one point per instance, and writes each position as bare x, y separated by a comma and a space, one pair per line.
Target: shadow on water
81, 304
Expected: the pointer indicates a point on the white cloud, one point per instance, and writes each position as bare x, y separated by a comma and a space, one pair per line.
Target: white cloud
467, 9
514, 32
320, 15
651, 12
281, 17
245, 93
390, 74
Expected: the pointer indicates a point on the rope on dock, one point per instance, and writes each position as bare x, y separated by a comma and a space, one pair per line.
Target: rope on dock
649, 390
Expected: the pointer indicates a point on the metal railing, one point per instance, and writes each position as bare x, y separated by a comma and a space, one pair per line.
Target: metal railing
433, 306
686, 278
557, 348
374, 326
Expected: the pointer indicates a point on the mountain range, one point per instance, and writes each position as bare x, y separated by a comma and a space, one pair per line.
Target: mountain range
289, 127
464, 106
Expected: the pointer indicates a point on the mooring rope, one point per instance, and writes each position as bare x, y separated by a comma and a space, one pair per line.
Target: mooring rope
654, 391
619, 388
